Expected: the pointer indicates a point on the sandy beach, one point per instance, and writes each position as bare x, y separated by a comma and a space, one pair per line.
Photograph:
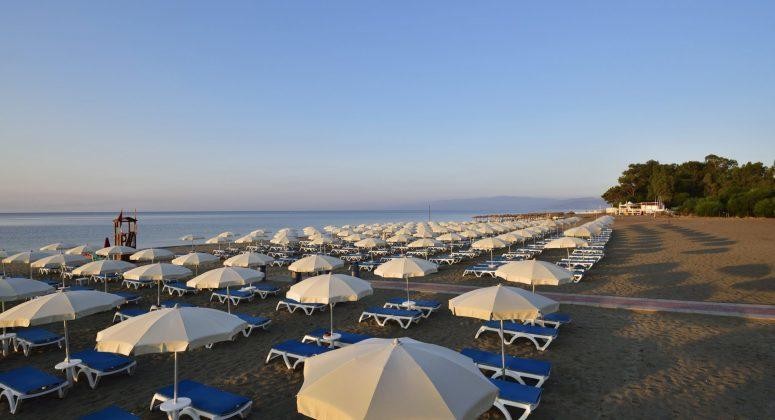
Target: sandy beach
607, 363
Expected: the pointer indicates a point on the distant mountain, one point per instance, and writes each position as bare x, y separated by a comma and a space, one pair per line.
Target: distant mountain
512, 204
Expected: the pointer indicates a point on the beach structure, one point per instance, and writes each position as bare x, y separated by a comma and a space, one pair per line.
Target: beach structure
125, 230
637, 209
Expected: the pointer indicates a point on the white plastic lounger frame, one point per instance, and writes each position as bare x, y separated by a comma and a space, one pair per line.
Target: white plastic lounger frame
15, 398
535, 338
235, 300
286, 356
308, 308
93, 376
382, 319
265, 326
27, 346
517, 375
171, 289
503, 404
196, 414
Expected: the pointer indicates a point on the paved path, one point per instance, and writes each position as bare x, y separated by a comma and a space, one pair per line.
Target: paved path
639, 304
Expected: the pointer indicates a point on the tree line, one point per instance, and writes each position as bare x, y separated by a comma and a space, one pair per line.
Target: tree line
716, 186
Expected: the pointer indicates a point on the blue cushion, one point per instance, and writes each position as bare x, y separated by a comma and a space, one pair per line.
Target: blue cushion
173, 303
513, 391
296, 302
207, 398
110, 413
128, 296
234, 293
179, 285
528, 329
395, 312
419, 303
29, 380
253, 320
347, 337
535, 367
302, 349
266, 287
557, 317
102, 361
37, 335
130, 312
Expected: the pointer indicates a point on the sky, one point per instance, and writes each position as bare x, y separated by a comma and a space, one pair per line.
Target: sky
281, 105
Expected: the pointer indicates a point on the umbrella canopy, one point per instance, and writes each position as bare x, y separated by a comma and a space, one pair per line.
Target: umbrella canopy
58, 260
116, 250
450, 237
404, 268
423, 243
502, 303
152, 254
81, 249
191, 238
100, 268
195, 259
225, 277
26, 257
13, 289
489, 244
534, 272
169, 330
370, 243
565, 242
330, 289
315, 264
59, 246
248, 260
60, 306
218, 240
158, 273
398, 239
394, 378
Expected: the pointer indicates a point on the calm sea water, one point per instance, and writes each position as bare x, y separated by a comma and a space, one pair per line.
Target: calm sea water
25, 231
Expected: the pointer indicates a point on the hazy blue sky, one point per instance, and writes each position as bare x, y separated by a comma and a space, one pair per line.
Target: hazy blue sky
329, 104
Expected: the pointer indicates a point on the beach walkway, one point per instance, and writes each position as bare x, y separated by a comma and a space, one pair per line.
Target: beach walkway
636, 304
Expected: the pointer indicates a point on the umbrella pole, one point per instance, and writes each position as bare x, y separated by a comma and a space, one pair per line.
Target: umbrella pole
67, 343
175, 380
158, 293
228, 299
331, 309
407, 288
503, 353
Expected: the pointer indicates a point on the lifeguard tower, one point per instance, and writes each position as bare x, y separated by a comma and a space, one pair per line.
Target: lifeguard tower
125, 230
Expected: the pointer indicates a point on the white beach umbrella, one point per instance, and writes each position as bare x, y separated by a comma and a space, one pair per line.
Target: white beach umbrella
450, 237
26, 258
398, 239
59, 306
330, 289
225, 277
227, 234
565, 243
370, 243
396, 378
13, 289
81, 249
159, 273
103, 267
170, 330
423, 243
195, 259
191, 238
59, 260
59, 246
502, 303
315, 264
534, 272
152, 254
404, 268
489, 244
248, 260
116, 250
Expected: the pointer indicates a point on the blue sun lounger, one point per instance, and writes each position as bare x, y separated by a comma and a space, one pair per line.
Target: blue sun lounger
253, 322
129, 297
27, 382
426, 306
553, 320
96, 364
292, 305
264, 290
517, 368
540, 336
110, 413
177, 287
235, 296
346, 338
126, 313
404, 317
167, 304
294, 352
206, 401
512, 394
29, 338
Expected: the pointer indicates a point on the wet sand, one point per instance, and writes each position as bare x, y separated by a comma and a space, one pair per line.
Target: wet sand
607, 363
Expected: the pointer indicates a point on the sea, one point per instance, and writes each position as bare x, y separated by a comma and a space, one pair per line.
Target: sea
28, 231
